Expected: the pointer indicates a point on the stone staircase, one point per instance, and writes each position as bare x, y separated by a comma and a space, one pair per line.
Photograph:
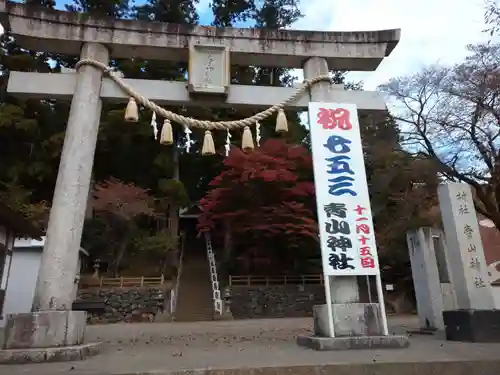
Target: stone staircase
194, 302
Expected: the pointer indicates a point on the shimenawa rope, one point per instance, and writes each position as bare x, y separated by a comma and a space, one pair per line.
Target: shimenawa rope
208, 146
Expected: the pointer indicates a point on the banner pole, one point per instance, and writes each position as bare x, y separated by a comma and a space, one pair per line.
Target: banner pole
368, 286
328, 297
380, 295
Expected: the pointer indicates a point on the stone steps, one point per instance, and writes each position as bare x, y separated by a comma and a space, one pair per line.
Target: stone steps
195, 291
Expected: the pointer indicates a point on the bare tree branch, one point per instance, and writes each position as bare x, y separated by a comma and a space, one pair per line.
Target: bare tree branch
452, 117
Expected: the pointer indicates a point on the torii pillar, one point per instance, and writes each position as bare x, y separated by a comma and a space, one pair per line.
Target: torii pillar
52, 326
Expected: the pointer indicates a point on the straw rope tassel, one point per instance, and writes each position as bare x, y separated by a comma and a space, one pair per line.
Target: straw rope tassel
208, 144
281, 122
132, 112
247, 140
167, 136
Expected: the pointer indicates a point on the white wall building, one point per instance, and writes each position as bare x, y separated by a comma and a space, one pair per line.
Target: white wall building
12, 225
23, 273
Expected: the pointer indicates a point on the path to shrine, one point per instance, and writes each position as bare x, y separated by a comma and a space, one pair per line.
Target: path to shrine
261, 347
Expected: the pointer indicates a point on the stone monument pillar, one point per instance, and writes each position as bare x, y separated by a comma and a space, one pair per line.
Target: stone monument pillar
475, 318
427, 277
53, 324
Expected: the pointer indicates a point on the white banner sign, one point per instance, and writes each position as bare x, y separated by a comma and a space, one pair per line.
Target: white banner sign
344, 213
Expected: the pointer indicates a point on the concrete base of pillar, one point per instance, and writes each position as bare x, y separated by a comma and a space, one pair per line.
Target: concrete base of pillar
358, 342
472, 325
61, 354
350, 319
45, 329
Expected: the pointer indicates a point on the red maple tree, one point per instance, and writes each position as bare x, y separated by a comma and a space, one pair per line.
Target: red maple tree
124, 201
119, 204
268, 192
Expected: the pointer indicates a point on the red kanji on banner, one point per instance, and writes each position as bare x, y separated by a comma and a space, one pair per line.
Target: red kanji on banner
368, 262
362, 228
360, 209
363, 240
365, 251
334, 118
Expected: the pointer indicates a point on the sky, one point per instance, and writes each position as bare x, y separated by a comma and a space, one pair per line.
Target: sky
432, 31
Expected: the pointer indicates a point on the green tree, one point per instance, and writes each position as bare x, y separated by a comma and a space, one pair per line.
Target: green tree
177, 11
181, 12
45, 3
30, 133
402, 191
109, 8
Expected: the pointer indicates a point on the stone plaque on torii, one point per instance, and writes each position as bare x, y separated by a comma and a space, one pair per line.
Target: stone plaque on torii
210, 52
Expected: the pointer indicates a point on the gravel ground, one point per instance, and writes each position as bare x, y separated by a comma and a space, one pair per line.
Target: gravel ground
145, 348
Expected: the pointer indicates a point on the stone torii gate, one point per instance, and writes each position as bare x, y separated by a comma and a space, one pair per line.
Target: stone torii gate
52, 323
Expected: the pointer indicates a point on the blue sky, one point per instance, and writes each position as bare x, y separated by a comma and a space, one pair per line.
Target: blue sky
432, 30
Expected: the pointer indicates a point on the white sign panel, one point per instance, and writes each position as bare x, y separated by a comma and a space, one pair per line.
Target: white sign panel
344, 213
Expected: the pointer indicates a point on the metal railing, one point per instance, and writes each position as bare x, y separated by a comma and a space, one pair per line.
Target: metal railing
174, 294
216, 296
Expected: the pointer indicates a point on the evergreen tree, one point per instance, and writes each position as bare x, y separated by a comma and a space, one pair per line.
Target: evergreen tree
279, 14
175, 11
228, 12
51, 4
30, 133
107, 8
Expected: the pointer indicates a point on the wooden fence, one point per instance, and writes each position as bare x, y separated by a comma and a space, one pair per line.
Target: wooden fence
250, 280
243, 280
123, 282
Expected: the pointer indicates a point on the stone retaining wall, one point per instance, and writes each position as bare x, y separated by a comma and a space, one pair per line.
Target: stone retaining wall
124, 304
275, 301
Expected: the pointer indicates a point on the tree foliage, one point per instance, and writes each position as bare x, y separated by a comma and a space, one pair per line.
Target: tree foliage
30, 135
266, 198
451, 116
402, 187
18, 199
267, 192
109, 8
492, 17
118, 205
121, 200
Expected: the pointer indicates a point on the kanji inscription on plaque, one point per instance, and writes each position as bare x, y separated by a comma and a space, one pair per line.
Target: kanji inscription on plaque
208, 69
